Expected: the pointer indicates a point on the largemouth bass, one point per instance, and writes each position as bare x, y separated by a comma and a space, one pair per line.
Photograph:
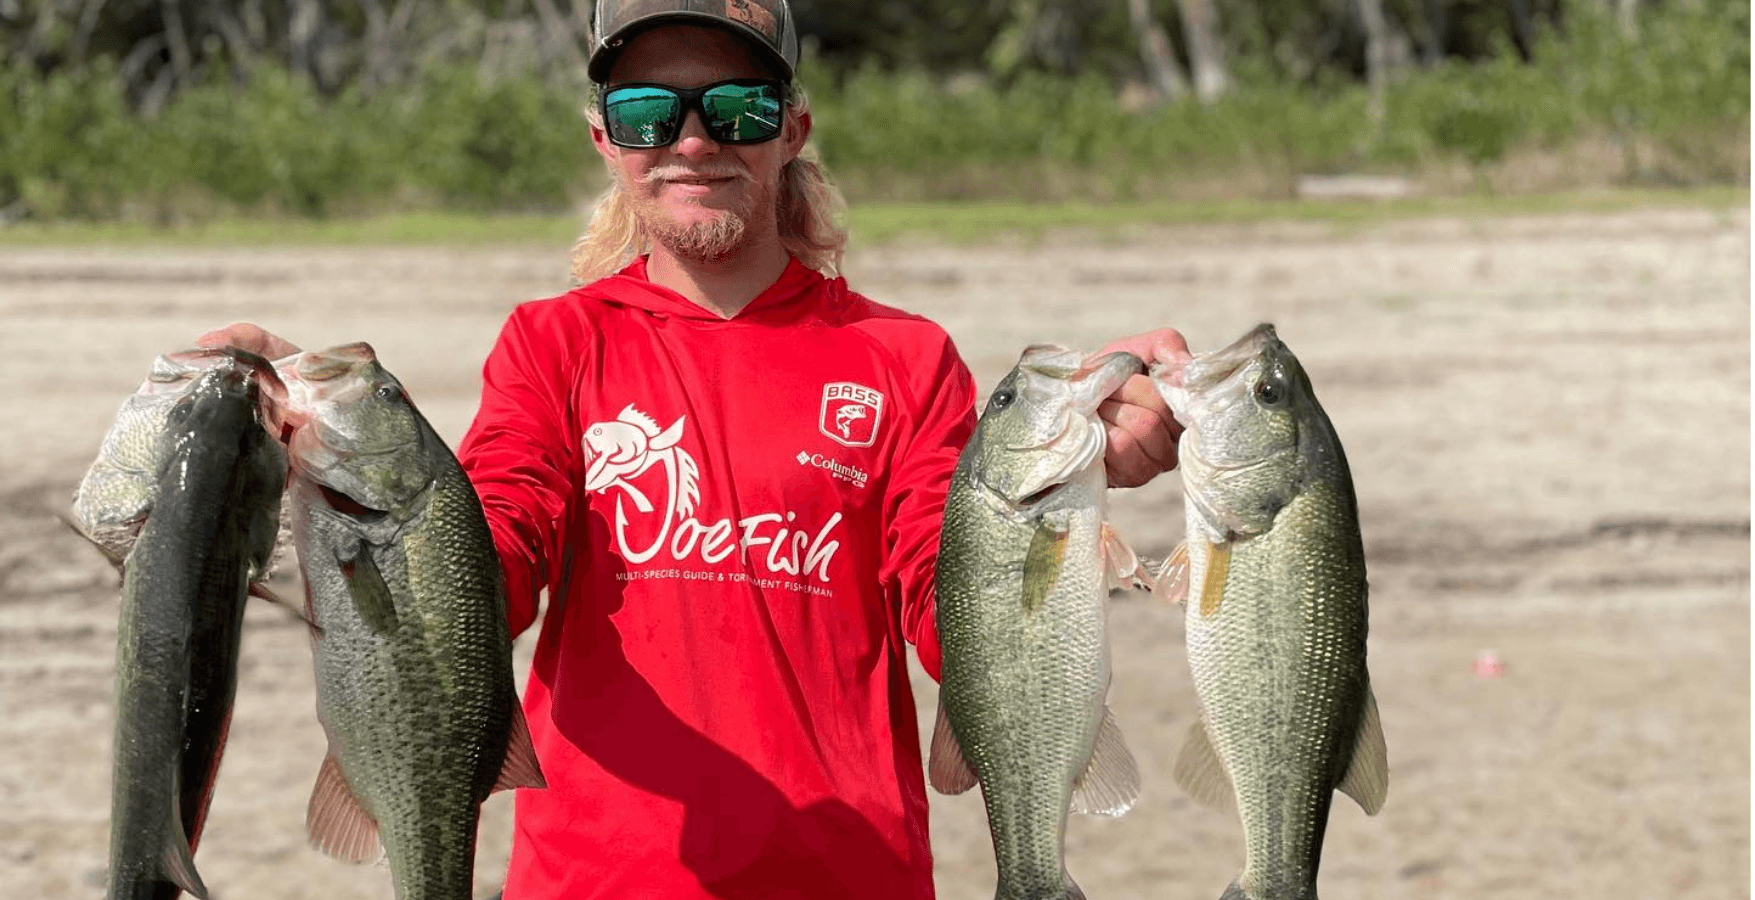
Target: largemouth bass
413, 658
1022, 581
211, 514
1274, 588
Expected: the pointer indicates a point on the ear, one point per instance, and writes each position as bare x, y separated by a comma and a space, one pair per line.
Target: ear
797, 135
605, 149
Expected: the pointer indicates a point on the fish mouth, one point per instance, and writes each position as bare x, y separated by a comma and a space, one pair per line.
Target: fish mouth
1210, 369
1103, 376
327, 365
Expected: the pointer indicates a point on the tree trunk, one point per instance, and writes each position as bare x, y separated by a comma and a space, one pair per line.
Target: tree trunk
178, 38
1376, 55
1627, 14
1437, 32
88, 22
1156, 52
1206, 56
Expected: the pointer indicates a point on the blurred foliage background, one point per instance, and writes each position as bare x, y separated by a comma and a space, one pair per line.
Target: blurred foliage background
172, 111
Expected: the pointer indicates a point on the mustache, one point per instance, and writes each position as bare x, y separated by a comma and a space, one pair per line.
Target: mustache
678, 172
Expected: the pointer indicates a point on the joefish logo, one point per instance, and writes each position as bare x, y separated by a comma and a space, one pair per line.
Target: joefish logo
851, 413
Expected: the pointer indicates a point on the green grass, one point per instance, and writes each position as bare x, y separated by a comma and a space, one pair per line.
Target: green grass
871, 223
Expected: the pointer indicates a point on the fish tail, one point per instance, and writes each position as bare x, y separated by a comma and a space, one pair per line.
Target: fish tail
1235, 891
1069, 891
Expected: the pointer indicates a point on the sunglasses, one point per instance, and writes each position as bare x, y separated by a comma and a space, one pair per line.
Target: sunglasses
743, 111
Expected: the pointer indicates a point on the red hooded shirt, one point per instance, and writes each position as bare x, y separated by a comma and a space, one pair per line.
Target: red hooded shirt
736, 522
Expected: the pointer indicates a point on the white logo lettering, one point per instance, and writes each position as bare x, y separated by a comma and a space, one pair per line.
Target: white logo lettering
851, 474
622, 450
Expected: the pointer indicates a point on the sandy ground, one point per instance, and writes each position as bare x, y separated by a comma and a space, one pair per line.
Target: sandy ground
1548, 421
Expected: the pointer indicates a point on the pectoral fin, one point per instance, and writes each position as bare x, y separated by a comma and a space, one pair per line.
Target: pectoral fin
1200, 772
1170, 584
1121, 566
948, 771
1212, 587
258, 589
371, 595
1111, 782
1367, 779
336, 822
1042, 563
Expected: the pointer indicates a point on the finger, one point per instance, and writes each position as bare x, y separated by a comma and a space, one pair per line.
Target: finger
1137, 434
1169, 346
250, 337
1140, 392
1165, 345
1127, 475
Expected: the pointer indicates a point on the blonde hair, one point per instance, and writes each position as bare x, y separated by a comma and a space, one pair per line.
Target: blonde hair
810, 215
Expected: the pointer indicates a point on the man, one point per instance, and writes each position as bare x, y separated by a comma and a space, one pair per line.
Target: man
727, 470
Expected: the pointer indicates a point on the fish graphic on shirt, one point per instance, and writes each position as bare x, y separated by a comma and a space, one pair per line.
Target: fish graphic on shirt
846, 417
632, 443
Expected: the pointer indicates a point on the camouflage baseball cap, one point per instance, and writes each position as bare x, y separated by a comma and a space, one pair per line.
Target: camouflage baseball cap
767, 24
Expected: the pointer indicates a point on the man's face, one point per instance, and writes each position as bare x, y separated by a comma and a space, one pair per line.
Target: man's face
699, 199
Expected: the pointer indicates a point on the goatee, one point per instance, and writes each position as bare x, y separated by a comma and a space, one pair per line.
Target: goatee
702, 242
707, 241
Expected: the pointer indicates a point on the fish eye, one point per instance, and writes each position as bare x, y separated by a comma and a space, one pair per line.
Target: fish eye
1269, 391
1001, 399
388, 391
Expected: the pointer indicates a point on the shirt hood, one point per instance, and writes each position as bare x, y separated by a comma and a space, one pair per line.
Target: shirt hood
791, 295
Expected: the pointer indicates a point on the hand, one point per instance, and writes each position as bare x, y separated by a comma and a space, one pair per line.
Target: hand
1142, 431
250, 337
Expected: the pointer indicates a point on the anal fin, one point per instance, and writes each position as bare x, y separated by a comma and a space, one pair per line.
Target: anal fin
1110, 784
336, 822
520, 770
1200, 772
1367, 778
947, 769
177, 863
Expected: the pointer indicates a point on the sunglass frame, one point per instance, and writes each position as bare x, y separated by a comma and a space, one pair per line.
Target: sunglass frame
692, 99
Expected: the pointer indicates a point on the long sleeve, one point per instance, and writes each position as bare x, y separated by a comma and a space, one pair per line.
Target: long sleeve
520, 455
915, 503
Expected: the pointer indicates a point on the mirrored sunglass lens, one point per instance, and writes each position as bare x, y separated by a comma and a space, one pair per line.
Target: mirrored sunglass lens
643, 116
742, 112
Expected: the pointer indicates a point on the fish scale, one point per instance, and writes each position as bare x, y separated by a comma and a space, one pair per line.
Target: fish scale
1041, 678
216, 481
1020, 593
1276, 612
1284, 728
413, 661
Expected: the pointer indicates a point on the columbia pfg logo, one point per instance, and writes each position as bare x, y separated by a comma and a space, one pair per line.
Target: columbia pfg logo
851, 413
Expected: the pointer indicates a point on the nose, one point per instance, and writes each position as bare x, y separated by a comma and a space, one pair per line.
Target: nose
693, 141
